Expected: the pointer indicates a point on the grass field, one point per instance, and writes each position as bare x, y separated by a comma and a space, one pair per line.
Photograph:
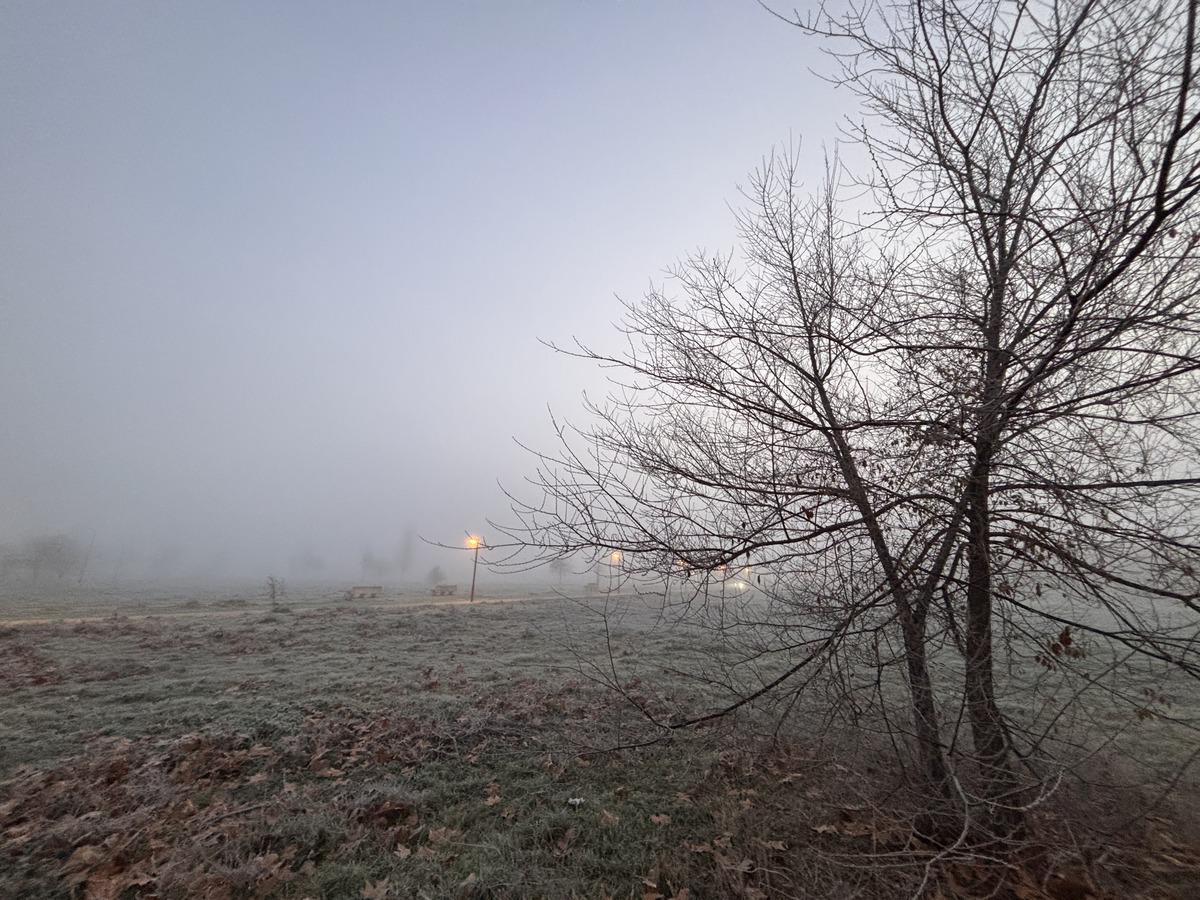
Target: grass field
213, 744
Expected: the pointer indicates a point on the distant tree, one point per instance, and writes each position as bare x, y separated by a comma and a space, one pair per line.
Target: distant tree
373, 566
55, 554
436, 575
405, 552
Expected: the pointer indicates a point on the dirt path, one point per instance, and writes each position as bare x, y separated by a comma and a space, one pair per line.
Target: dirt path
228, 613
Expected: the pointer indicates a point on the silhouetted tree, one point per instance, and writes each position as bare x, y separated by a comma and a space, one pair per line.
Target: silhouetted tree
980, 410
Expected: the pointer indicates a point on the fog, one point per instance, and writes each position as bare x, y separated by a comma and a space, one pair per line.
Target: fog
274, 276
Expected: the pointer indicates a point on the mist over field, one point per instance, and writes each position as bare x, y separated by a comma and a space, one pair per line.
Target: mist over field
273, 278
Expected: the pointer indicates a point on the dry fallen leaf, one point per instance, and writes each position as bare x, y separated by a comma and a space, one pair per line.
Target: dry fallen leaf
744, 865
563, 846
402, 851
650, 883
774, 845
375, 890
661, 819
607, 819
442, 834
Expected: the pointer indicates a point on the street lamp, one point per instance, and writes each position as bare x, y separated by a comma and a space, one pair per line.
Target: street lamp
474, 543
614, 562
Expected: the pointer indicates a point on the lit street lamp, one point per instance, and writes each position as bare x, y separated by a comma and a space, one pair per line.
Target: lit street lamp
474, 543
614, 562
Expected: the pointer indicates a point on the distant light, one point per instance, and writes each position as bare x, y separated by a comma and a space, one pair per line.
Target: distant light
472, 542
616, 557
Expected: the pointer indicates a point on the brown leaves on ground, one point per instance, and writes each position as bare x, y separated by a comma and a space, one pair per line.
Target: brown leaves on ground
22, 666
653, 888
493, 794
565, 842
884, 831
171, 817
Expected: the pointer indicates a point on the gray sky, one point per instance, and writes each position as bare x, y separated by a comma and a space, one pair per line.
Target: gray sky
273, 275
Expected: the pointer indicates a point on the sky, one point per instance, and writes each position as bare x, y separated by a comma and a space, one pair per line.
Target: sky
276, 278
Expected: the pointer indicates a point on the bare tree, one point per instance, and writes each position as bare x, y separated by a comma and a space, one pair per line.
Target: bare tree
979, 411
1047, 152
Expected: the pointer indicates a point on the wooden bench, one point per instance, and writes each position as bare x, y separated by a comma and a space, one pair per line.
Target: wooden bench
364, 592
445, 590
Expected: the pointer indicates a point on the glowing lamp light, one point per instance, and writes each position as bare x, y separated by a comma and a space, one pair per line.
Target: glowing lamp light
474, 543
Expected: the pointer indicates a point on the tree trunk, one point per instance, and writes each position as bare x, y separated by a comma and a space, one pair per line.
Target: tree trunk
928, 734
912, 618
988, 732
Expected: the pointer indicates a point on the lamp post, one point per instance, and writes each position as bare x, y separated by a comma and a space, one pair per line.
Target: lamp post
614, 562
474, 543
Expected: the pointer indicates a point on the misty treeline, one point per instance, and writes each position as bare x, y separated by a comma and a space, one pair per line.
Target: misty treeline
947, 436
42, 558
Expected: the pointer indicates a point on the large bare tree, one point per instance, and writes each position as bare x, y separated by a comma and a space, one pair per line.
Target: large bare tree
980, 408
